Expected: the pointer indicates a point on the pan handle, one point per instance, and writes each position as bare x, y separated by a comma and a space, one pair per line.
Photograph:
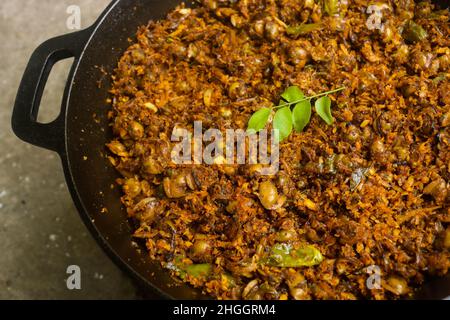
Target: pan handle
24, 119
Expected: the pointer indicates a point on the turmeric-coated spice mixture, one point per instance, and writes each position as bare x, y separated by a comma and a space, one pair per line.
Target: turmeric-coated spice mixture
365, 193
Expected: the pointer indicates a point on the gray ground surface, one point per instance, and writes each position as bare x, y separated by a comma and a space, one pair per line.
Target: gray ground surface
41, 233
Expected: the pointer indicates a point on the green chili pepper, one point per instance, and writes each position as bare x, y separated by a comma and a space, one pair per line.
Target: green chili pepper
198, 270
303, 28
230, 280
413, 32
284, 255
436, 15
203, 270
439, 78
331, 7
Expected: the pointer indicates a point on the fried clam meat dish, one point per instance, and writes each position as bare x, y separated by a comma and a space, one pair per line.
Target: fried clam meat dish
366, 192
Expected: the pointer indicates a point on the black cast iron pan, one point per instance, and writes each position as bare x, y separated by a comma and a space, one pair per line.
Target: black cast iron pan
80, 133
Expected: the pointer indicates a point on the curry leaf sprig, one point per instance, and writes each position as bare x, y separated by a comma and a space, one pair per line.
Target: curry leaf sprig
285, 119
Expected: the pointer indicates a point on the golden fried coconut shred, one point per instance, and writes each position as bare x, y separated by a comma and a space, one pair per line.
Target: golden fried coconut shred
368, 193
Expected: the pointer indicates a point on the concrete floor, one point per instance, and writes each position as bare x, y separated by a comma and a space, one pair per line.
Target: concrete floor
41, 233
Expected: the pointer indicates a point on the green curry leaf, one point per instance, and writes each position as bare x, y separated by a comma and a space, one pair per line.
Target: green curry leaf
259, 120
323, 109
292, 94
283, 122
301, 115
